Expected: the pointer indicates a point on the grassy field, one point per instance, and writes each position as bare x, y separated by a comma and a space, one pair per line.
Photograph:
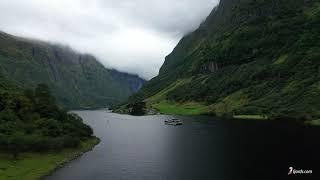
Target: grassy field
190, 108
31, 166
257, 117
161, 96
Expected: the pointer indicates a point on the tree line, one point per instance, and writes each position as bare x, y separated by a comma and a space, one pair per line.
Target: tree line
30, 120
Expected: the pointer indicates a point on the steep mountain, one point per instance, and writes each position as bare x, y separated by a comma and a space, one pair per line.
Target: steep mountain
257, 57
77, 80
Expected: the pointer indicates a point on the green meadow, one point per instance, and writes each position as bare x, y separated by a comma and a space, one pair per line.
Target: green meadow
31, 166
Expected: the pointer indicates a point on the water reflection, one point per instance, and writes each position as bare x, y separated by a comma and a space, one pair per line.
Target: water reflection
202, 148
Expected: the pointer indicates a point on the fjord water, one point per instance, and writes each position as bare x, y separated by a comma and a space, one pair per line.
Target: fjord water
202, 148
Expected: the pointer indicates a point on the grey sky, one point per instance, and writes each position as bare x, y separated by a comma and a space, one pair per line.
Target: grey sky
129, 35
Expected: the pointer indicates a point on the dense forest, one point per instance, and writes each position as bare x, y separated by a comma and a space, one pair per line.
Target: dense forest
248, 57
30, 120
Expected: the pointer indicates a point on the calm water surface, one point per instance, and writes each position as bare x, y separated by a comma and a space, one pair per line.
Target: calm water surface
137, 148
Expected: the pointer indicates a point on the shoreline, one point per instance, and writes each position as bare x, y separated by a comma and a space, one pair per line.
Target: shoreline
254, 117
32, 166
71, 158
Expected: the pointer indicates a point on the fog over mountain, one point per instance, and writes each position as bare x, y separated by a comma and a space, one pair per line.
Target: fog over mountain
130, 36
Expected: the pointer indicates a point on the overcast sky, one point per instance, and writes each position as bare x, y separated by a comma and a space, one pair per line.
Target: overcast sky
129, 35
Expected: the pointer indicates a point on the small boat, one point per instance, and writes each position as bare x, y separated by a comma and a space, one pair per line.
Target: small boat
173, 122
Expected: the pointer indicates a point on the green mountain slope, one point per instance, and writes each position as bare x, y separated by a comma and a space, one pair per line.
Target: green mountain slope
77, 80
247, 57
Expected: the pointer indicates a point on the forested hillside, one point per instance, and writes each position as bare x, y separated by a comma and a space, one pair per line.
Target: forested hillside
30, 120
76, 80
248, 57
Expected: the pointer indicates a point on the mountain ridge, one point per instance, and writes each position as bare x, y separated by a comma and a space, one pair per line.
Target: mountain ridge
247, 57
77, 80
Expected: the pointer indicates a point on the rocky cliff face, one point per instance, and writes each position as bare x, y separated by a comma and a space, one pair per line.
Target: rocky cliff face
78, 80
209, 67
249, 57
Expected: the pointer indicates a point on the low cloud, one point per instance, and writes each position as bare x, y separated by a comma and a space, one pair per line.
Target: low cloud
130, 36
